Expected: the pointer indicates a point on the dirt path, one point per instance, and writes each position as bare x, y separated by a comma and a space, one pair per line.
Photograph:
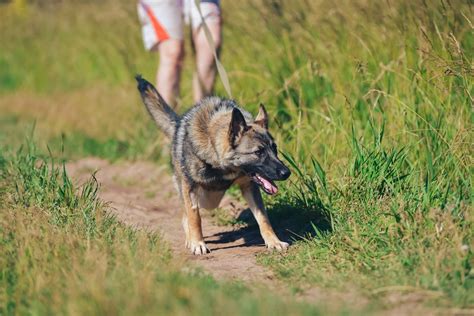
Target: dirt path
142, 194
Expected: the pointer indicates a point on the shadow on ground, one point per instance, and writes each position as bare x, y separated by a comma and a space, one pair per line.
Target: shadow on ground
291, 223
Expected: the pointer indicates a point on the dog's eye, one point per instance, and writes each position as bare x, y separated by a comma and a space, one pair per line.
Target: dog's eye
260, 152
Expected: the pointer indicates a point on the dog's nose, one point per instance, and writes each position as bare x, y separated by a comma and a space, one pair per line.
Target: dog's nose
284, 173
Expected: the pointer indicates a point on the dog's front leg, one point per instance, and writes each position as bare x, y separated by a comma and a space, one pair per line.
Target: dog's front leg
251, 194
194, 239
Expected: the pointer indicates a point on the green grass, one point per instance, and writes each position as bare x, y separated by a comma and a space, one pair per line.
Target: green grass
62, 253
76, 144
388, 228
224, 217
371, 102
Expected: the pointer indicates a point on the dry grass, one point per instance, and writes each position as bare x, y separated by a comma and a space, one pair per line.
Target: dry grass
62, 254
348, 84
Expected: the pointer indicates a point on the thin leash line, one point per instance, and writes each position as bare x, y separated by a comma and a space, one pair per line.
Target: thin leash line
220, 68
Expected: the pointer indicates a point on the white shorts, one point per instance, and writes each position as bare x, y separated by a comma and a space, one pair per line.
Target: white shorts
164, 19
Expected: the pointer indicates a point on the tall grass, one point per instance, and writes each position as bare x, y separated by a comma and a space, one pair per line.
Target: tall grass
391, 228
321, 68
370, 100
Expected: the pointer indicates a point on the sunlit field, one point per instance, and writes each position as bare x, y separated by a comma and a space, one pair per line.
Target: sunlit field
371, 103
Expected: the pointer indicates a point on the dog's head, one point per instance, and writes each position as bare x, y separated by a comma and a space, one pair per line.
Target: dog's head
253, 150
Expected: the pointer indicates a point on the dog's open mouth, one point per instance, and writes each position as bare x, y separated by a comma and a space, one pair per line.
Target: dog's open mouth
267, 185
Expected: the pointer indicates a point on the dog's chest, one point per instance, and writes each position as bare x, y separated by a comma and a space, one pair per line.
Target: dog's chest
215, 179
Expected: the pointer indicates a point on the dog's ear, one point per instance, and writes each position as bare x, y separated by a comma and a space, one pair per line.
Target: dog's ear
262, 117
237, 127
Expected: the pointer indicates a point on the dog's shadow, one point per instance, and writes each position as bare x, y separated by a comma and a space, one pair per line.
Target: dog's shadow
290, 223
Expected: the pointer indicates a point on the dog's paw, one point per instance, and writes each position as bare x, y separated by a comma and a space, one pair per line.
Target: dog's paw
197, 247
277, 245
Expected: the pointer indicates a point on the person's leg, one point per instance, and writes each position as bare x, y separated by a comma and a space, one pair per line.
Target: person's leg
162, 30
168, 74
204, 77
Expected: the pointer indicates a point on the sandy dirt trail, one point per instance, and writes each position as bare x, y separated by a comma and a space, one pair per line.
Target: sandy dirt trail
142, 194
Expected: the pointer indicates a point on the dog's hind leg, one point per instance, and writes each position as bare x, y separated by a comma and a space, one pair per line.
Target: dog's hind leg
209, 200
252, 195
194, 238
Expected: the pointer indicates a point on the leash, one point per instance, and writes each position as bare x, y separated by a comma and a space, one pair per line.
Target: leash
220, 68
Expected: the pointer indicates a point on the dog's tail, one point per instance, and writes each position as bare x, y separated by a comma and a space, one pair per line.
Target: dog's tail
160, 111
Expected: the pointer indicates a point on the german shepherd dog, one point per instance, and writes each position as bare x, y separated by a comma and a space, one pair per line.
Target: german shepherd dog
216, 144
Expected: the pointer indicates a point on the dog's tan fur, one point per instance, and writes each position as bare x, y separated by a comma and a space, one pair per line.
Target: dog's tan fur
214, 145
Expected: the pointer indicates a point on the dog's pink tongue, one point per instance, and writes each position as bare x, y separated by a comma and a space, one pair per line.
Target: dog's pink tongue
269, 187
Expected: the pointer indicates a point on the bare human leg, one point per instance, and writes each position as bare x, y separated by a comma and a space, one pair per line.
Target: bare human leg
205, 74
168, 75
